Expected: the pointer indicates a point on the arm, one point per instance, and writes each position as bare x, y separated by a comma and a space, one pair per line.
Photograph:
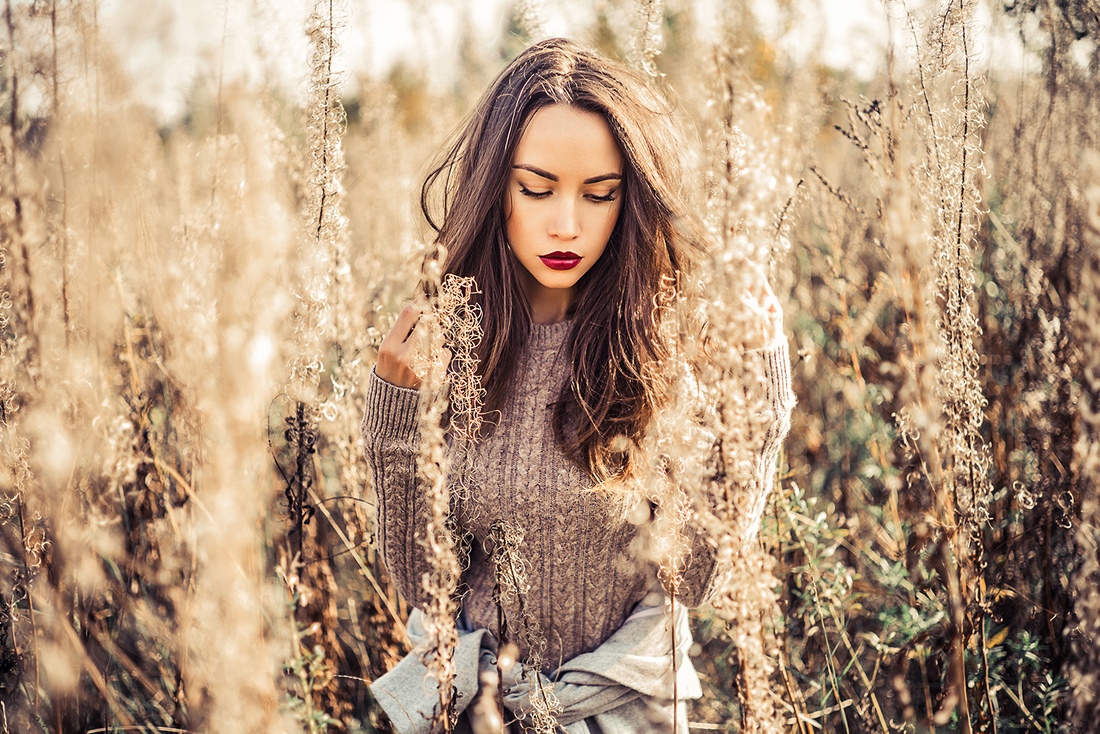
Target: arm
391, 440
391, 443
764, 341
698, 579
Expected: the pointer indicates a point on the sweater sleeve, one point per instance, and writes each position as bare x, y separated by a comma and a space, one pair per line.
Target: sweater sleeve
391, 442
697, 584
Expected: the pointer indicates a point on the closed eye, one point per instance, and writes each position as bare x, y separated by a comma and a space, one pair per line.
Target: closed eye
610, 196
533, 194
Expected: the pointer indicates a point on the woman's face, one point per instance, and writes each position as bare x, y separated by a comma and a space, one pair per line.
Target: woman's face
563, 200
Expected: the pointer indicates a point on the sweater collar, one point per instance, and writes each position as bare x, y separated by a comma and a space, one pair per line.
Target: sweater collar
549, 337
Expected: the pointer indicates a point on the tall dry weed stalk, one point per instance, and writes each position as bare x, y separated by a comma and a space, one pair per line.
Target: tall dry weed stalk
708, 445
451, 324
645, 42
320, 239
950, 175
512, 589
322, 247
944, 412
748, 189
329, 531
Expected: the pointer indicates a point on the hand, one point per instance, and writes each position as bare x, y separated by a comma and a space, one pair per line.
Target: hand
764, 325
398, 349
398, 352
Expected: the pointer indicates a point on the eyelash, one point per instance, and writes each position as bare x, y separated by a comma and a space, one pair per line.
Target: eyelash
543, 194
532, 194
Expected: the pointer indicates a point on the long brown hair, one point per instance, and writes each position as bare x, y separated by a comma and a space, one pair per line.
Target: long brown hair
615, 343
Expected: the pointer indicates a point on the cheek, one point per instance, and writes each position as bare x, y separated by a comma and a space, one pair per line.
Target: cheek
522, 218
513, 219
611, 220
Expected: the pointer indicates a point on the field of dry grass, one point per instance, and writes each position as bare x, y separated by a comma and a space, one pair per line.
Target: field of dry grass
188, 311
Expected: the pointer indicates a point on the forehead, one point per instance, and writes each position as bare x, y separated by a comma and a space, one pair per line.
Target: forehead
565, 141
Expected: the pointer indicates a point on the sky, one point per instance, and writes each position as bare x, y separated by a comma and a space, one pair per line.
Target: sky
168, 45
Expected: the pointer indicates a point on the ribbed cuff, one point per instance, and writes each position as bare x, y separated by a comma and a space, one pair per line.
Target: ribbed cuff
391, 411
777, 372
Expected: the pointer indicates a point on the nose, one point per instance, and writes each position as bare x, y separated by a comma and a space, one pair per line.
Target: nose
565, 225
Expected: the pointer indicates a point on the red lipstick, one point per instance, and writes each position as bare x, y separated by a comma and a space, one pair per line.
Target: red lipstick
561, 260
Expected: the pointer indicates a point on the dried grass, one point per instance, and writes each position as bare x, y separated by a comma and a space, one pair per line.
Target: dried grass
186, 314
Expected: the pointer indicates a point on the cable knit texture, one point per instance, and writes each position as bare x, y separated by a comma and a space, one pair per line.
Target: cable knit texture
578, 544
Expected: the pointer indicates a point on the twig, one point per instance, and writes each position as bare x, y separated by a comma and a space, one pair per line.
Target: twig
363, 567
783, 214
837, 192
97, 677
985, 669
1019, 702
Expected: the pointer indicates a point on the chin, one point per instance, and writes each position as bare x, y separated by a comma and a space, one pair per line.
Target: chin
559, 283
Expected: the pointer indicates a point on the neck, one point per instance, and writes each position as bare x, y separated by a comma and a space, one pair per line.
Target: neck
548, 305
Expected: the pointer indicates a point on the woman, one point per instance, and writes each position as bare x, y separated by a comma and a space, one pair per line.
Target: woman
561, 197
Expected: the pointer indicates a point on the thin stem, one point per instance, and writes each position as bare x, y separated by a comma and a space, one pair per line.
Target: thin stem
30, 607
13, 122
302, 430
64, 183
17, 201
985, 667
675, 670
218, 127
324, 126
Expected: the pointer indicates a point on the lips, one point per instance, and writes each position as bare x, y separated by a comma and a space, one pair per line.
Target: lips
561, 260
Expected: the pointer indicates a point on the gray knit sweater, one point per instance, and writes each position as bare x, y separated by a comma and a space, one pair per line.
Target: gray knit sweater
583, 564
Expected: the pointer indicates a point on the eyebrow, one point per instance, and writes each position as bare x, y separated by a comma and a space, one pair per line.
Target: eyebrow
547, 175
